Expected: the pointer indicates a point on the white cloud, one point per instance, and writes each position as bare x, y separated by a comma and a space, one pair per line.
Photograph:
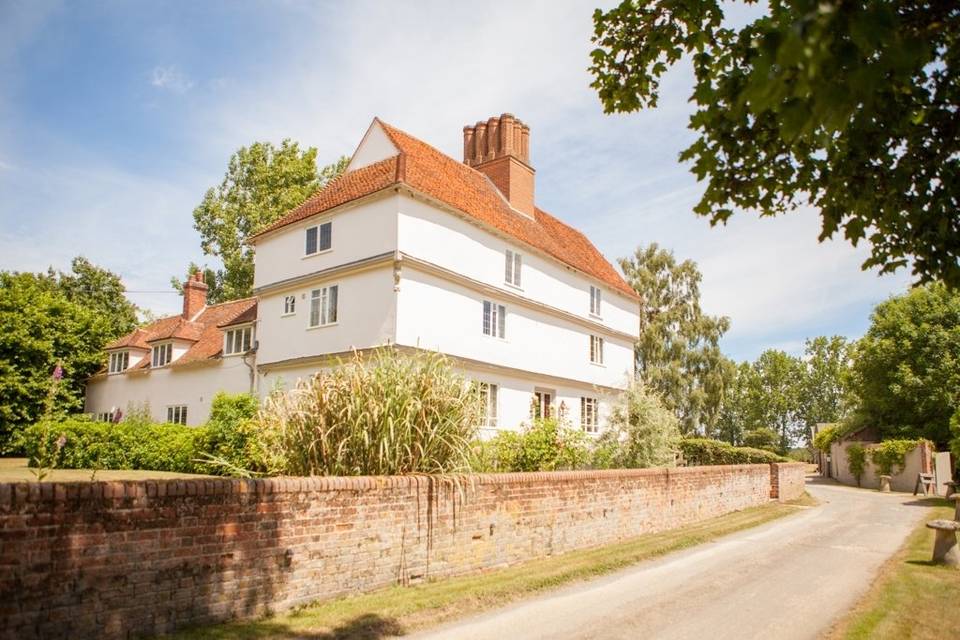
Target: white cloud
170, 79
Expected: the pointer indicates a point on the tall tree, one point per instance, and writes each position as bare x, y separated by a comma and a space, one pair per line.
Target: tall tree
906, 369
825, 395
262, 183
773, 394
847, 106
48, 320
678, 353
735, 407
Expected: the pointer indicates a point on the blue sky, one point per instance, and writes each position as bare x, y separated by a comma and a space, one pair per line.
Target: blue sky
115, 117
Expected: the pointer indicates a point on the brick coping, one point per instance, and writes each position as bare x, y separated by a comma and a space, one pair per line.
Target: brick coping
26, 491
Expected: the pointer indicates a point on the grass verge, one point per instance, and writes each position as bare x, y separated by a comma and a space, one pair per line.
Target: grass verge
399, 610
911, 598
16, 470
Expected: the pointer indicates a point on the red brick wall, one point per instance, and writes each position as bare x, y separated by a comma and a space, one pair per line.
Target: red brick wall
110, 559
787, 480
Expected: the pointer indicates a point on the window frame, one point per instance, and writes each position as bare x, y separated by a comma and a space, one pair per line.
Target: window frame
289, 306
246, 338
318, 230
589, 414
596, 349
543, 405
513, 268
118, 357
596, 300
177, 414
491, 404
324, 304
167, 347
494, 320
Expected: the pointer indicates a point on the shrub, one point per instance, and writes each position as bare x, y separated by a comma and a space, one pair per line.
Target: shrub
826, 437
546, 444
891, 454
127, 445
762, 438
955, 440
388, 414
856, 460
703, 451
228, 441
800, 454
641, 432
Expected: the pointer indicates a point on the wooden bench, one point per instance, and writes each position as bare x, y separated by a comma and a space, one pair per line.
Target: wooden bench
945, 549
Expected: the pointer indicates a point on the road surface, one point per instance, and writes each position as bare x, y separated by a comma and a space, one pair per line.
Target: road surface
789, 579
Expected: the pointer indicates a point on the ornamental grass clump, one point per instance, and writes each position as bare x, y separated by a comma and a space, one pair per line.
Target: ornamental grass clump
386, 414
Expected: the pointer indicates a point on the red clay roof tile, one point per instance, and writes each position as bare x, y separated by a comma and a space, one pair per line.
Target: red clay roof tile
429, 171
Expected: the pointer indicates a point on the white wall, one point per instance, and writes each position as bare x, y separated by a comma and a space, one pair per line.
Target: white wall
374, 147
433, 313
447, 240
366, 317
357, 232
159, 388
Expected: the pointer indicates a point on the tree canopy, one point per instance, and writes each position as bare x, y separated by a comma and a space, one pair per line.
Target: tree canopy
906, 369
678, 354
262, 182
48, 320
847, 106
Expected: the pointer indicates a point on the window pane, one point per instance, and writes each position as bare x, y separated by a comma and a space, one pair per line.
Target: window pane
508, 266
517, 267
487, 322
315, 307
325, 235
501, 320
247, 337
311, 241
332, 302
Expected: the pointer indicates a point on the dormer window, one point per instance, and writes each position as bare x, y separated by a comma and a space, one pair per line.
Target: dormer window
595, 301
119, 361
237, 341
512, 266
318, 238
162, 354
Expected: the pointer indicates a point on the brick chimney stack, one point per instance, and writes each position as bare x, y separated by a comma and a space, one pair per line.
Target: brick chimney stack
500, 148
194, 295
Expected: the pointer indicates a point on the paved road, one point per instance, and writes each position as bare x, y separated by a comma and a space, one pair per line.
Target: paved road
788, 579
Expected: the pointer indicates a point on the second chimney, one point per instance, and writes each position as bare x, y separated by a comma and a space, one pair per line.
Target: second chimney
500, 148
194, 296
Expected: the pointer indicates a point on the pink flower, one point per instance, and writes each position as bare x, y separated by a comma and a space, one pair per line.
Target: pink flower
58, 372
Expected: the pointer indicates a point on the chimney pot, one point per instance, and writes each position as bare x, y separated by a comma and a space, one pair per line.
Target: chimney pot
500, 148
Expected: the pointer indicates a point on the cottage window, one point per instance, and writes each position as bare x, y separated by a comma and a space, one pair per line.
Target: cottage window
177, 414
319, 238
513, 265
595, 300
494, 319
119, 361
542, 404
237, 341
588, 414
162, 354
289, 305
323, 306
596, 349
488, 396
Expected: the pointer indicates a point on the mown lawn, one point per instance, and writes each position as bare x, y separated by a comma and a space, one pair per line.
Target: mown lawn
399, 610
16, 470
912, 599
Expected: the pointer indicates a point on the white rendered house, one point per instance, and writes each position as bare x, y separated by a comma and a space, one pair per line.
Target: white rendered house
412, 248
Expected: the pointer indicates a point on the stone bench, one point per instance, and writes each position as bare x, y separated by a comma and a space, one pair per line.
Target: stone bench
951, 488
956, 505
945, 549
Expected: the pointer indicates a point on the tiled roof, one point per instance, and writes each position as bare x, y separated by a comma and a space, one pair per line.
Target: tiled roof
430, 171
205, 332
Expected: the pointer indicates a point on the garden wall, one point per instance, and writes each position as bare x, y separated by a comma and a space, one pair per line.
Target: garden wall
112, 559
917, 460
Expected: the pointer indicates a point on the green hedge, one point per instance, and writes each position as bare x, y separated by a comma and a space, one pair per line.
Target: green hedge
222, 446
703, 451
127, 445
